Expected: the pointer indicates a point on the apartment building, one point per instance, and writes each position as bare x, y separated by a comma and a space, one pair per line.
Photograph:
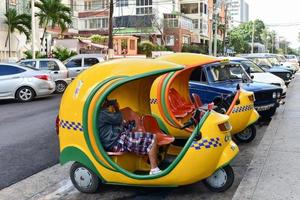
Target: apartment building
89, 17
17, 42
238, 11
198, 11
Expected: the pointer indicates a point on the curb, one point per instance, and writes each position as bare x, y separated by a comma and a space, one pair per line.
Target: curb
38, 184
251, 178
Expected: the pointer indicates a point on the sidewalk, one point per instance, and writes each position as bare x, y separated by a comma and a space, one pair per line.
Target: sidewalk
274, 172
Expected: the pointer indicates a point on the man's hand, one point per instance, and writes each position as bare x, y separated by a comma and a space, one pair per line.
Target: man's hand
116, 107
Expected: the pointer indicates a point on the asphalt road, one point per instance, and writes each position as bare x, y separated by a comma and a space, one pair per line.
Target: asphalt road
28, 141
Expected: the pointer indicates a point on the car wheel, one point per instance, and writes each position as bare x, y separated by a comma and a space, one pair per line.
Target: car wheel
84, 179
246, 135
25, 94
221, 180
60, 86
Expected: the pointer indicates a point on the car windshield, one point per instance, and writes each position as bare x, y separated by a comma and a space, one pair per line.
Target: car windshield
27, 66
253, 67
273, 61
226, 72
281, 58
262, 62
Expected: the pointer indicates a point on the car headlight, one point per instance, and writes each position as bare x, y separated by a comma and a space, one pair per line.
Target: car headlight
288, 75
278, 95
274, 95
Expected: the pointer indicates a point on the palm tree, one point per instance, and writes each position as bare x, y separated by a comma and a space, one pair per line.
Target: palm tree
54, 13
19, 22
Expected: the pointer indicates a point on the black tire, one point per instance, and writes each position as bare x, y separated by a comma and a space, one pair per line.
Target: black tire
268, 113
93, 183
247, 135
25, 94
226, 185
60, 86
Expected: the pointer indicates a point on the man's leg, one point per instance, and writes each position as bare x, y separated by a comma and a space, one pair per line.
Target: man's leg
153, 154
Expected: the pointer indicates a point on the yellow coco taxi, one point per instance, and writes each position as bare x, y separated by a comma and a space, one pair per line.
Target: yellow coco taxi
172, 106
206, 155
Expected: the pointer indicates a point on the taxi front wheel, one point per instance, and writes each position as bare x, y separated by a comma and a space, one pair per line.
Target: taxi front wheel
221, 180
84, 179
246, 135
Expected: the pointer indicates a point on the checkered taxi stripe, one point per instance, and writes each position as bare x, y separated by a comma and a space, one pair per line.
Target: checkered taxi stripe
238, 109
207, 144
76, 126
153, 101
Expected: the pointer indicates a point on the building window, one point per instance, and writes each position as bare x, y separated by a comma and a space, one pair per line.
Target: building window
201, 7
144, 7
122, 3
90, 5
144, 11
205, 9
170, 40
195, 23
171, 23
189, 8
96, 23
186, 39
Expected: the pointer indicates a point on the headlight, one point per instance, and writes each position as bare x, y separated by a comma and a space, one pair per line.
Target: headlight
278, 95
274, 95
288, 75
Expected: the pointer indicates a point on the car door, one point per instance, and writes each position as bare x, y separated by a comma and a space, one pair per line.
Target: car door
88, 62
51, 67
74, 67
10, 79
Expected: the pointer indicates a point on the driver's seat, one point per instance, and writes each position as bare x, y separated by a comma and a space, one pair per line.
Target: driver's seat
197, 100
150, 124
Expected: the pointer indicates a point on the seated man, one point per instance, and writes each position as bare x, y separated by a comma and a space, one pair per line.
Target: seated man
117, 137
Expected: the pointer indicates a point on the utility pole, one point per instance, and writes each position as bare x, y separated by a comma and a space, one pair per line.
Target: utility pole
33, 28
252, 43
225, 29
211, 18
9, 39
110, 30
215, 35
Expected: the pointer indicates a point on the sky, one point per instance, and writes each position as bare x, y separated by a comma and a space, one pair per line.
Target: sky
278, 12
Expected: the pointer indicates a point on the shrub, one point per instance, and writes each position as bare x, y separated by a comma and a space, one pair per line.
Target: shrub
99, 39
62, 53
145, 47
193, 49
28, 54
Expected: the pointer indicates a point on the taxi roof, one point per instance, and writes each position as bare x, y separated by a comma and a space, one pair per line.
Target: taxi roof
131, 67
189, 59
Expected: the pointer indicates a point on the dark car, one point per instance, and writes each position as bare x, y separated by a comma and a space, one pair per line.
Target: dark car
221, 79
268, 65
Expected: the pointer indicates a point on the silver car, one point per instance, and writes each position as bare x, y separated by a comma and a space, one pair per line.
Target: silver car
54, 67
81, 62
23, 83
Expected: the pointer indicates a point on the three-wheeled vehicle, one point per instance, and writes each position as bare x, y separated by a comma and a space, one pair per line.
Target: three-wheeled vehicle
205, 156
239, 106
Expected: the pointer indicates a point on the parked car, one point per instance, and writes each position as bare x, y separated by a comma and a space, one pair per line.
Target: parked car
266, 65
23, 83
292, 58
269, 60
54, 67
79, 63
221, 79
259, 75
283, 61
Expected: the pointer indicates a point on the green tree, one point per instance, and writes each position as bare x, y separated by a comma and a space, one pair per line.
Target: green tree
16, 22
54, 13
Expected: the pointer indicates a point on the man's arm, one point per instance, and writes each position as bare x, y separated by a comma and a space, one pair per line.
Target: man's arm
113, 118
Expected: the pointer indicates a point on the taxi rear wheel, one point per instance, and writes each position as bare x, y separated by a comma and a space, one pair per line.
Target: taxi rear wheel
246, 135
84, 179
221, 180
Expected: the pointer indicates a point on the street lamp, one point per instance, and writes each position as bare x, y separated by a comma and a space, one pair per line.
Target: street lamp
33, 28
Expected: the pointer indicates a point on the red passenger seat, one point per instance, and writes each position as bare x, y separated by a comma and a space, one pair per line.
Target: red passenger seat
179, 106
150, 124
197, 101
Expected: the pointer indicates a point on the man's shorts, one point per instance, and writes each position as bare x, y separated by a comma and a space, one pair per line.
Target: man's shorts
134, 142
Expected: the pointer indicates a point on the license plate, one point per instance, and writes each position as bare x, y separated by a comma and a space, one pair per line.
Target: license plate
264, 108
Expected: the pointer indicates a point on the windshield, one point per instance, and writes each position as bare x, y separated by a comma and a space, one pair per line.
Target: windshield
226, 72
273, 61
262, 62
281, 58
253, 67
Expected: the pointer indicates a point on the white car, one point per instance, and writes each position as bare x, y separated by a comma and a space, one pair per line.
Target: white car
54, 67
81, 62
287, 63
23, 83
259, 75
